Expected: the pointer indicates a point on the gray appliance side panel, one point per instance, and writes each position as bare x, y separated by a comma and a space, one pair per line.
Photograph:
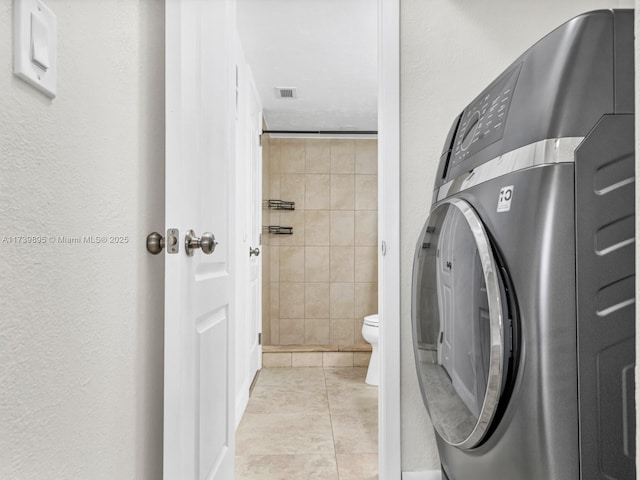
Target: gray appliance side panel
536, 436
624, 61
565, 84
605, 240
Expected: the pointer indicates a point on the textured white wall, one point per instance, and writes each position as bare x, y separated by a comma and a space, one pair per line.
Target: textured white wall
450, 50
81, 326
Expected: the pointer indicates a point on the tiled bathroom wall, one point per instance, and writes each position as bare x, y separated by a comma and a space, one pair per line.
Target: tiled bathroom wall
323, 278
265, 248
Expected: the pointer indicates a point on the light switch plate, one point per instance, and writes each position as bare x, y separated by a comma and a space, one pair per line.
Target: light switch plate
35, 45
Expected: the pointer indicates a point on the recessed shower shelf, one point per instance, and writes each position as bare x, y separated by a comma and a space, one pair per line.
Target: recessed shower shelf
280, 205
278, 230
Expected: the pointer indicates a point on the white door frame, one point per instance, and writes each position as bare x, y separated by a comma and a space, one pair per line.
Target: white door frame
390, 459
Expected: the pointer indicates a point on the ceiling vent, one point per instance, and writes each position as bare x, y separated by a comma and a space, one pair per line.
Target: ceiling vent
286, 92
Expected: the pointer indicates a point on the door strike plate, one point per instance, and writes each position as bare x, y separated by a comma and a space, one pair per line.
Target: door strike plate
173, 246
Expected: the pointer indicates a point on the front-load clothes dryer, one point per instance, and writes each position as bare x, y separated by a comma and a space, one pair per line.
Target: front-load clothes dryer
523, 282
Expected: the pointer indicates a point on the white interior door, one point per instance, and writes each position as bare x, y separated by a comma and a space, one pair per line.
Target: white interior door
248, 197
199, 394
255, 237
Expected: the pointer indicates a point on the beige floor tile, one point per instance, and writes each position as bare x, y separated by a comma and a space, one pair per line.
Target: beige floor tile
359, 466
266, 434
286, 467
289, 399
349, 399
313, 444
355, 433
299, 377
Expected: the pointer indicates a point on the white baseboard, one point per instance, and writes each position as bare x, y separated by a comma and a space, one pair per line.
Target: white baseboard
426, 475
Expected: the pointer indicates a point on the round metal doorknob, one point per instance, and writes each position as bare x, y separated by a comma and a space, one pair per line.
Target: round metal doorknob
254, 251
155, 243
207, 242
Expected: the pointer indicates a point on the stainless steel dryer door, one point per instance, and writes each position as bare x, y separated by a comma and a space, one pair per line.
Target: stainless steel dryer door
458, 325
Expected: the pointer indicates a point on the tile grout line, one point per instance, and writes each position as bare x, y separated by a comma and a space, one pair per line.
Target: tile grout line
333, 436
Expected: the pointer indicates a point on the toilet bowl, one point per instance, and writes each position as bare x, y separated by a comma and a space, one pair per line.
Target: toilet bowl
370, 334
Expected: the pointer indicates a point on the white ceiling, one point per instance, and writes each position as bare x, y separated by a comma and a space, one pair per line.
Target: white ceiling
327, 49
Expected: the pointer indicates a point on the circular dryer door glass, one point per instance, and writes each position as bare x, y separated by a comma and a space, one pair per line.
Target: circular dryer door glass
457, 323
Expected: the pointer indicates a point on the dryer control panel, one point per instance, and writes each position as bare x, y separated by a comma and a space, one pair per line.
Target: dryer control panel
484, 119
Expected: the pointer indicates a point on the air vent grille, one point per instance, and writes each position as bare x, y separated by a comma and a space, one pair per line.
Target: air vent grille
286, 92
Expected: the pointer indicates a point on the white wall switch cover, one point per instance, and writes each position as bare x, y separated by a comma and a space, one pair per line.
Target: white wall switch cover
35, 45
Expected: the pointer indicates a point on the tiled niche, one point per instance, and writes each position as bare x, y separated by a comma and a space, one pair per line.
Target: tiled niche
322, 280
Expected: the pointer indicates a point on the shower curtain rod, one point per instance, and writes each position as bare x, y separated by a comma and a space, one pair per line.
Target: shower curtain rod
322, 132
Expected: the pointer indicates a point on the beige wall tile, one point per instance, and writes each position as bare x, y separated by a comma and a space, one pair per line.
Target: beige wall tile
291, 302
306, 359
291, 264
274, 314
316, 300
328, 179
294, 219
274, 156
366, 192
317, 224
337, 359
342, 228
367, 156
316, 264
357, 330
275, 331
292, 189
343, 156
342, 300
316, 331
274, 186
342, 331
342, 192
291, 331
366, 264
366, 299
366, 228
274, 219
318, 192
361, 359
275, 360
266, 311
292, 155
274, 264
342, 264
318, 156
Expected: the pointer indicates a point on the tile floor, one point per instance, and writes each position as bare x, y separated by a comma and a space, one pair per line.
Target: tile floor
311, 423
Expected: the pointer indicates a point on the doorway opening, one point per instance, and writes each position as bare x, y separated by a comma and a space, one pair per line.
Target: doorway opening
319, 246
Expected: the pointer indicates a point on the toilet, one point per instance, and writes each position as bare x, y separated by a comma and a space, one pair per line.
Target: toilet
370, 334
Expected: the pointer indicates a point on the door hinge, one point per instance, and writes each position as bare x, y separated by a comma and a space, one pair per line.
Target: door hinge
260, 338
260, 139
